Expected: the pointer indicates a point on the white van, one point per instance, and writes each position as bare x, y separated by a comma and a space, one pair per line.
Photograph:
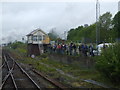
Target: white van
100, 47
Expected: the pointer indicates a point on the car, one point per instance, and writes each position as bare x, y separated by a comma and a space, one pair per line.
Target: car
98, 51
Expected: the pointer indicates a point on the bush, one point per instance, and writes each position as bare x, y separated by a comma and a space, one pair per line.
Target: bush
18, 44
108, 64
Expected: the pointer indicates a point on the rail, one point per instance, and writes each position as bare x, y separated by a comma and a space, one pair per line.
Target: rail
10, 74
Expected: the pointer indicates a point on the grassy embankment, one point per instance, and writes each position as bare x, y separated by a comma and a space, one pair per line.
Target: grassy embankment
69, 74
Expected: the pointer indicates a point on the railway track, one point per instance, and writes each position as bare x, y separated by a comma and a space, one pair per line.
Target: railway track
16, 77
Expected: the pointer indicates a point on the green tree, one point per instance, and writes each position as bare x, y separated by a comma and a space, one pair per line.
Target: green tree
82, 34
53, 35
105, 23
108, 64
88, 34
116, 24
73, 34
17, 44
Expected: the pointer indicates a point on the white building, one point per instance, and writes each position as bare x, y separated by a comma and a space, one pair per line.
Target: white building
37, 37
37, 42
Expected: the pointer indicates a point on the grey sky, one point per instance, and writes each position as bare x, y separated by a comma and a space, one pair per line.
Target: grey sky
18, 19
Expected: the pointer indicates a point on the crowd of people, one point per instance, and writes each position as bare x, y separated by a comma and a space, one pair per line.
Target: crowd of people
71, 49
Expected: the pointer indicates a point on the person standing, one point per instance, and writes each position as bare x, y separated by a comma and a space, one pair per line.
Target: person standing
74, 48
71, 48
67, 49
79, 49
91, 50
85, 50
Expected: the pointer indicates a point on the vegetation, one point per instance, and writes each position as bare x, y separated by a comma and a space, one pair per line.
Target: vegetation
18, 47
61, 71
82, 34
108, 64
116, 23
49, 67
108, 30
45, 65
53, 35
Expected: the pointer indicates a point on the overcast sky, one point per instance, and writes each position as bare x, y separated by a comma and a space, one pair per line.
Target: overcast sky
19, 19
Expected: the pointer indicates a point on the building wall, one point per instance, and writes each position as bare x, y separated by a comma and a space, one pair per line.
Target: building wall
29, 38
33, 49
37, 43
45, 38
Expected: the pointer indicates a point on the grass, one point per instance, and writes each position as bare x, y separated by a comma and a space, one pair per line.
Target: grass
78, 72
75, 69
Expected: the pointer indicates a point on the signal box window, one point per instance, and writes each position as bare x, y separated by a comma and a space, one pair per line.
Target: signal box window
34, 38
39, 38
43, 37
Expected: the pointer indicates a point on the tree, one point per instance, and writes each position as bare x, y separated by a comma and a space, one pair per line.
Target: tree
53, 35
82, 34
88, 34
116, 24
105, 23
16, 44
71, 34
108, 64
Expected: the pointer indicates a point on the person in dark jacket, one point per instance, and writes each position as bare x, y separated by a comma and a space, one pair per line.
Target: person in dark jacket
85, 50
91, 50
79, 48
74, 48
71, 48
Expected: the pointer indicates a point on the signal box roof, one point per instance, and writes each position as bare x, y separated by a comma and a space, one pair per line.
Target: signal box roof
33, 32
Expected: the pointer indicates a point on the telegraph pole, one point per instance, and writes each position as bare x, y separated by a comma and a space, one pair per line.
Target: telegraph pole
97, 20
65, 35
97, 24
